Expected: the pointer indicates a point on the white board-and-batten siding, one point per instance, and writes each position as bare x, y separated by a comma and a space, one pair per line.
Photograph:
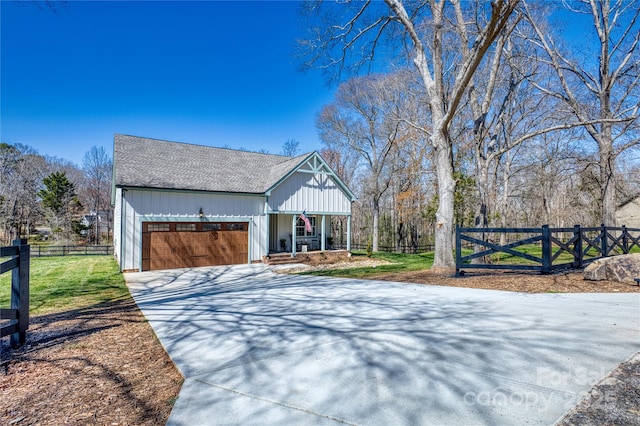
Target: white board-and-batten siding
117, 224
138, 206
314, 193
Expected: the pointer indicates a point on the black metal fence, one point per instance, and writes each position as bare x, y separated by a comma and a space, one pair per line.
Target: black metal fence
560, 248
18, 314
42, 251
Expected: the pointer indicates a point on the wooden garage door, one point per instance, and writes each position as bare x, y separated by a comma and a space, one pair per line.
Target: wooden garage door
169, 245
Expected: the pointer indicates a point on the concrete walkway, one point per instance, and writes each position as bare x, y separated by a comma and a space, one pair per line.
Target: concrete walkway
261, 348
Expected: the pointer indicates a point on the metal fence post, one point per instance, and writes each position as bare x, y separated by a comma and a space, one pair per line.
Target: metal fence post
625, 240
546, 250
577, 247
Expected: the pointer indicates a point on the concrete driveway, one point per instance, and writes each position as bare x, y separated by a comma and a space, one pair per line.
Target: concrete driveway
261, 348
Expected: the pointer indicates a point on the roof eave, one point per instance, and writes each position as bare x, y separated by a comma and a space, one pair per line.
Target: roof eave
148, 188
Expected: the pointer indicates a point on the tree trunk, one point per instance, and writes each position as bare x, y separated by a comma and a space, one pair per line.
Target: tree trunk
505, 197
97, 225
399, 236
443, 256
482, 191
605, 144
607, 185
605, 138
376, 225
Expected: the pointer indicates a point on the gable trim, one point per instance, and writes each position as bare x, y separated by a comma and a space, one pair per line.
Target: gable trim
316, 165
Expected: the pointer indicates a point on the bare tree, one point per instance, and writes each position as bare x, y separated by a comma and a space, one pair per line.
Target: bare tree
507, 110
344, 164
21, 172
601, 93
362, 120
290, 148
410, 191
446, 73
97, 168
629, 177
547, 180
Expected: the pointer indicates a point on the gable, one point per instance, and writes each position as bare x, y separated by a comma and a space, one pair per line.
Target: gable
315, 165
314, 193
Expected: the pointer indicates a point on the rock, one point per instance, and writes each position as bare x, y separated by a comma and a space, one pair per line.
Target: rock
622, 268
596, 271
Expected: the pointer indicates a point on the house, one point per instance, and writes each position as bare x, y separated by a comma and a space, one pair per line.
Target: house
628, 213
89, 222
180, 205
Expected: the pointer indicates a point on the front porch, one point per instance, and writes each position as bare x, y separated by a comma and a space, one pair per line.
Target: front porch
292, 236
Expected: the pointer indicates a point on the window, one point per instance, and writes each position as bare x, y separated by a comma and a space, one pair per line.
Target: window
300, 227
185, 227
236, 227
212, 227
158, 227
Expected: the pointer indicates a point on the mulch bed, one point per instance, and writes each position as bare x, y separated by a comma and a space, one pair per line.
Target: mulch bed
104, 365
615, 400
99, 365
564, 282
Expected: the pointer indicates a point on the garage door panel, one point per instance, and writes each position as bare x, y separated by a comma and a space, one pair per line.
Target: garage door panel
169, 249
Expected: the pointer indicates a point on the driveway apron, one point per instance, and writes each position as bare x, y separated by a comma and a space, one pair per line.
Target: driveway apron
257, 347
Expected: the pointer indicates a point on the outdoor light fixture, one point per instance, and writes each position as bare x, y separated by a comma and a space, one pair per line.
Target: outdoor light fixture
201, 213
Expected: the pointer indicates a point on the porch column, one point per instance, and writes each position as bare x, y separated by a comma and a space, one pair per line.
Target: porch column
323, 235
268, 236
293, 236
349, 233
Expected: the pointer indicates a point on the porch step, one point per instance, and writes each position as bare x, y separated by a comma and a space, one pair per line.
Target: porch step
279, 259
316, 257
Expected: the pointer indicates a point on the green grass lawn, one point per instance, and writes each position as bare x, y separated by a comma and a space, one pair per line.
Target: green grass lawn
400, 263
61, 283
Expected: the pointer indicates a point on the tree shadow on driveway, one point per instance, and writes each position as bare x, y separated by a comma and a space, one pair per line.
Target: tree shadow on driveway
366, 352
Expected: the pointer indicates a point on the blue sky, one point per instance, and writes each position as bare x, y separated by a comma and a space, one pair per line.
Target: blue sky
210, 72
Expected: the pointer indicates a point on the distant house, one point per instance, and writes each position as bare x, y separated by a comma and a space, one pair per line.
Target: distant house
628, 213
181, 205
89, 221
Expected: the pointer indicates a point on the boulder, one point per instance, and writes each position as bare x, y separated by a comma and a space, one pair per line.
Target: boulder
622, 268
596, 271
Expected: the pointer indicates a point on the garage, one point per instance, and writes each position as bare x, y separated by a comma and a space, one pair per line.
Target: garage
169, 245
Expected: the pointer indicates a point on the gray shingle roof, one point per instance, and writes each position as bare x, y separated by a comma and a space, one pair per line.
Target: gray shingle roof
151, 163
